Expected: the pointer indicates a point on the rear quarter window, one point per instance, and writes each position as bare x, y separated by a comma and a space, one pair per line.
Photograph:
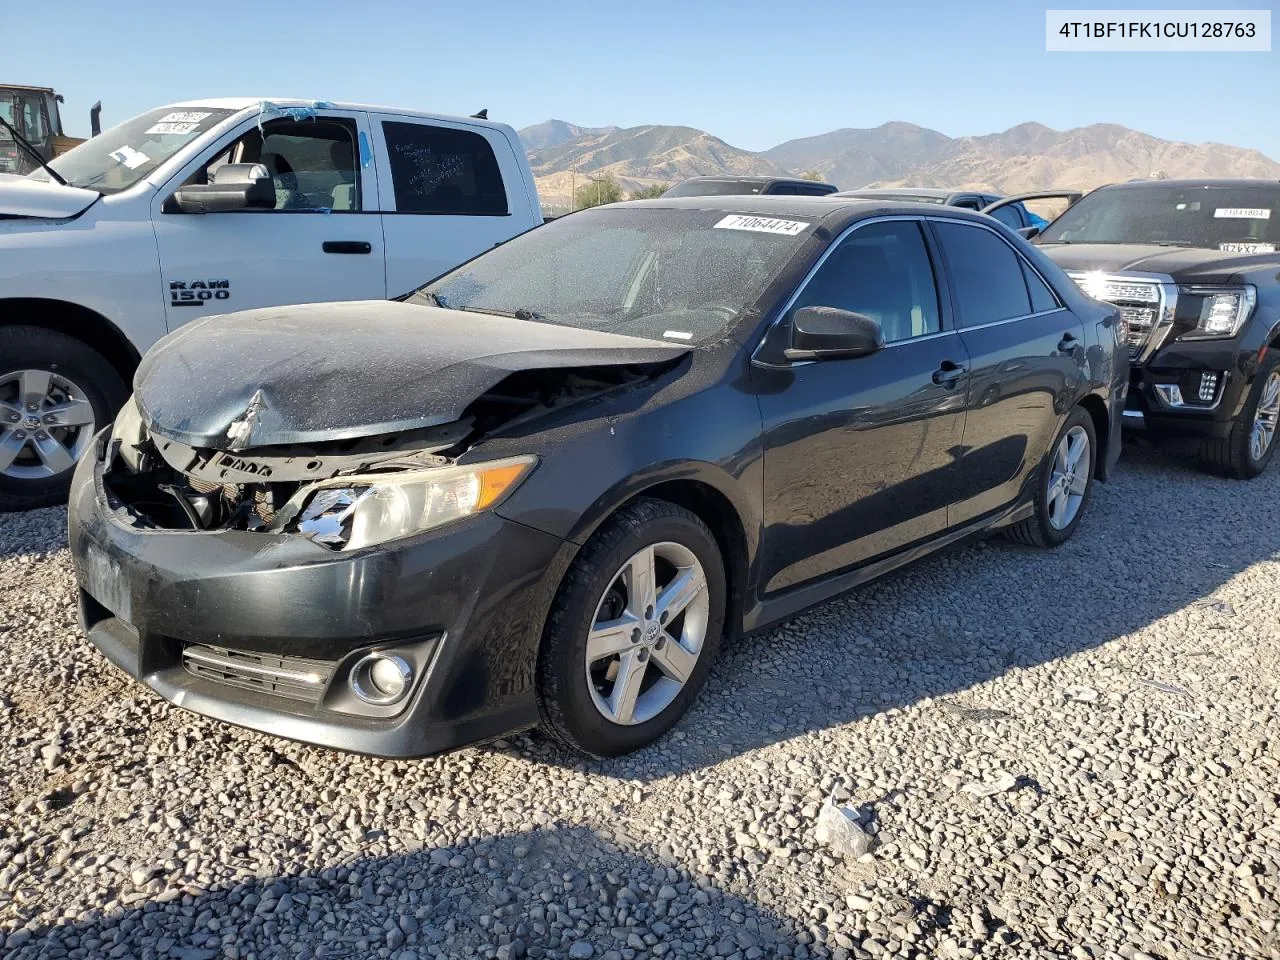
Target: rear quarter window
441, 170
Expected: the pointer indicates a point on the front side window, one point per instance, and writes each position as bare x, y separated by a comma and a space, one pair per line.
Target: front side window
1009, 216
986, 274
443, 171
882, 271
120, 157
674, 274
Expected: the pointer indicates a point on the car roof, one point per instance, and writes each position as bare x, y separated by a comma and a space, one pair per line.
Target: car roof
244, 103
937, 192
834, 212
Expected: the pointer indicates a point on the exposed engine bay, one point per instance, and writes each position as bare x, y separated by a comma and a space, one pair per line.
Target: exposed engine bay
162, 483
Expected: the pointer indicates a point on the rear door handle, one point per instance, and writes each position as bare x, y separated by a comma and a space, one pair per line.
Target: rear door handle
1067, 343
347, 246
948, 373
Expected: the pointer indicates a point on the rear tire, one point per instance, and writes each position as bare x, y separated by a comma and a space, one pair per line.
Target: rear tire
1236, 454
583, 695
1057, 514
33, 471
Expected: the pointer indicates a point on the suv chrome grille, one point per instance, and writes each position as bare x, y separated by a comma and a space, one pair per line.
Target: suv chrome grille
1141, 304
297, 678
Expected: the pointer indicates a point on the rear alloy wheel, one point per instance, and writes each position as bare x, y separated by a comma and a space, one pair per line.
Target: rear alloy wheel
55, 393
633, 631
1247, 450
1066, 483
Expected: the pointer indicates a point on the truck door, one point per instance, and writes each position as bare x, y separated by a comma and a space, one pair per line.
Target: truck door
321, 241
450, 191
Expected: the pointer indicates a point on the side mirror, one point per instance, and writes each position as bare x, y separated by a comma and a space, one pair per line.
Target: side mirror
1028, 233
828, 333
234, 186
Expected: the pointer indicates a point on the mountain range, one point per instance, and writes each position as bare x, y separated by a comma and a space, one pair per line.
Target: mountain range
1026, 157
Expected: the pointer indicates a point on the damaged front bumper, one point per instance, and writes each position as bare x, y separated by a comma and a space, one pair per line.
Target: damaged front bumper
263, 629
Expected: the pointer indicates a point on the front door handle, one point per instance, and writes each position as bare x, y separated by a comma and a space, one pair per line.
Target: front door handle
948, 373
1067, 343
347, 246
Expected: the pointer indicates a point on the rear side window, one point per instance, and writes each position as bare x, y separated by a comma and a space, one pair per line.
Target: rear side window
443, 171
986, 274
1042, 298
883, 271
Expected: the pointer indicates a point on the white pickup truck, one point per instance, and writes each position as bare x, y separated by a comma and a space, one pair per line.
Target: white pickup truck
212, 206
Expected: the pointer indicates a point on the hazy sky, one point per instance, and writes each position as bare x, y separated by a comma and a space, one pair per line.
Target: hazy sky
752, 73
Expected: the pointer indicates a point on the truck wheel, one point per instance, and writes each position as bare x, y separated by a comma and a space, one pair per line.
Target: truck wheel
1065, 485
633, 631
1247, 450
55, 393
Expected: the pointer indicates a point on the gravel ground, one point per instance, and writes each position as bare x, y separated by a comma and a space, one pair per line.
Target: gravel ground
1127, 684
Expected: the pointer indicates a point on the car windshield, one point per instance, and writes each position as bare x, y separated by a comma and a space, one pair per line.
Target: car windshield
666, 274
714, 188
1234, 218
118, 158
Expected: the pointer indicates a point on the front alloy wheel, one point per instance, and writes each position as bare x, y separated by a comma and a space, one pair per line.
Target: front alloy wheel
1265, 417
633, 630
46, 424
648, 631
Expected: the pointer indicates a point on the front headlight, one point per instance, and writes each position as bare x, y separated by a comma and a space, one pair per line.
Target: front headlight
348, 513
1223, 310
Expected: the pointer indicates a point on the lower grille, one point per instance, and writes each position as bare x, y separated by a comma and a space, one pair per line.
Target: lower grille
297, 678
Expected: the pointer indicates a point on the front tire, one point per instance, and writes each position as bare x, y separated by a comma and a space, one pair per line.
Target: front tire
55, 392
1247, 450
633, 631
1065, 485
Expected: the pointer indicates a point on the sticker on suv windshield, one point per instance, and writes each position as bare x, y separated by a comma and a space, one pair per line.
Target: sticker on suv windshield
736, 221
180, 122
1242, 213
1247, 247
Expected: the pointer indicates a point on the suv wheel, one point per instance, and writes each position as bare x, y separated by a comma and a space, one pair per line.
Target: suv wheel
633, 631
1066, 483
1248, 449
55, 393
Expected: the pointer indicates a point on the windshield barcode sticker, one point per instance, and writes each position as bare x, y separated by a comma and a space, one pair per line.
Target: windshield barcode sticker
184, 116
1247, 247
1242, 213
172, 128
737, 221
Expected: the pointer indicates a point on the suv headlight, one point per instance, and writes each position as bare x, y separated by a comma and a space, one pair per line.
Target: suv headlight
347, 513
1223, 310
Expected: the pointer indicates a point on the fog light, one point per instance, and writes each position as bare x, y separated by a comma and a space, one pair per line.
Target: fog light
1208, 386
381, 679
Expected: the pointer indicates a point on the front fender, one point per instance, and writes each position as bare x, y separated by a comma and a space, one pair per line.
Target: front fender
107, 266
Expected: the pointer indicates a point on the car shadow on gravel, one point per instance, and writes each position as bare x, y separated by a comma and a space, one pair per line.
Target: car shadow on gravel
1161, 535
548, 888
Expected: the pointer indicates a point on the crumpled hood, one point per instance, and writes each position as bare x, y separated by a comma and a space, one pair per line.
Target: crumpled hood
332, 371
21, 197
1183, 264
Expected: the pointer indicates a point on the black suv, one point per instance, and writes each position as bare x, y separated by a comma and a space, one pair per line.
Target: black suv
1194, 267
750, 186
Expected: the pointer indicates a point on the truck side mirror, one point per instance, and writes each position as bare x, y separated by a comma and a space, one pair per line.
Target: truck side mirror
1028, 233
233, 186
